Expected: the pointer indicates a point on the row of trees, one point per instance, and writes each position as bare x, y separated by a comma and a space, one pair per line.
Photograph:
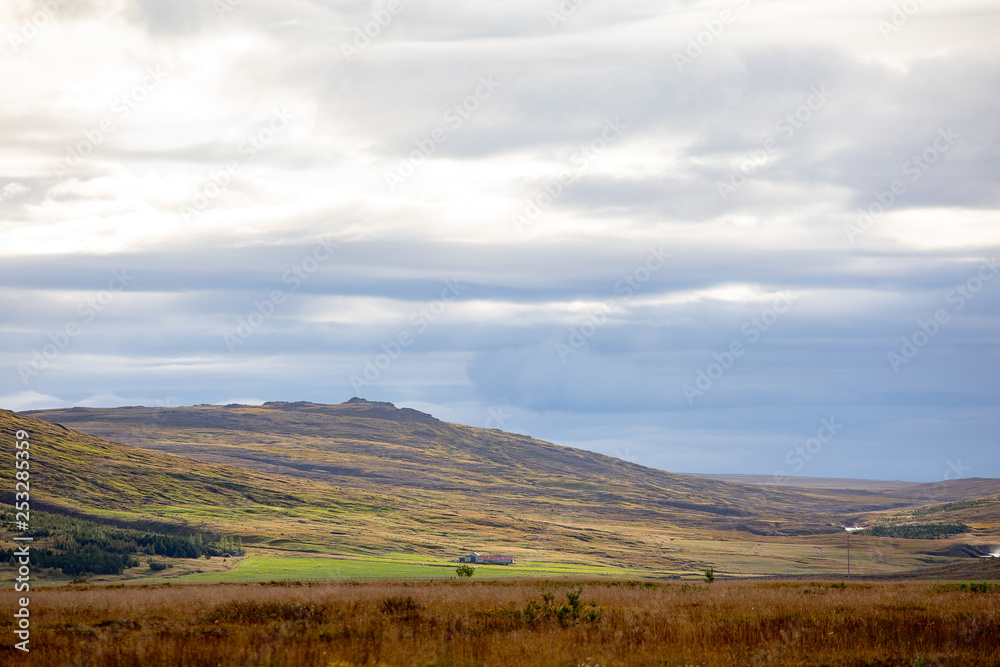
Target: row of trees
916, 531
78, 546
88, 560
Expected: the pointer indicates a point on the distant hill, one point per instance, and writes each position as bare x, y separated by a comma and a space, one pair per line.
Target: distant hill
872, 485
376, 446
975, 569
967, 488
367, 477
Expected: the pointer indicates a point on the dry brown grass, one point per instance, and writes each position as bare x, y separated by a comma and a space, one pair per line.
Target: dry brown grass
508, 623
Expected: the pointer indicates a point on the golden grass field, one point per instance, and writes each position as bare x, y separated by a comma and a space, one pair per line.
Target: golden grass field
505, 623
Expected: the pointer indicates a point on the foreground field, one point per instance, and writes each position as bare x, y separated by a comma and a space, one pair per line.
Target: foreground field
511, 623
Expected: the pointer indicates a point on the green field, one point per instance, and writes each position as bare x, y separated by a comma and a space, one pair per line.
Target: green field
401, 567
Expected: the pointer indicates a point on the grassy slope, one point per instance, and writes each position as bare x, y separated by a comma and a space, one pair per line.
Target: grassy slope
81, 474
366, 478
375, 446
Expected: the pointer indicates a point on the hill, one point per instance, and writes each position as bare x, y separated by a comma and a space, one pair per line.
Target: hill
967, 488
376, 446
365, 477
974, 569
78, 474
875, 485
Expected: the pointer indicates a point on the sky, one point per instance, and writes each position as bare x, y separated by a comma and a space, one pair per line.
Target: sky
751, 236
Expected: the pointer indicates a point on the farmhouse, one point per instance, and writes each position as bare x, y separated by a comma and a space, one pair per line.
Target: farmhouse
488, 559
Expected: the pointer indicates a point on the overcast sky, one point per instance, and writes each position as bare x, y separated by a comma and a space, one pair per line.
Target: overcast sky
745, 237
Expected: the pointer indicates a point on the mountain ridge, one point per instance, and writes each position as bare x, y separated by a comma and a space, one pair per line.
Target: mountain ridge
369, 443
365, 477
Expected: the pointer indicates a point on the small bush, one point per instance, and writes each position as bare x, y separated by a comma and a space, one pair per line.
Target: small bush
248, 612
981, 587
398, 605
567, 614
282, 583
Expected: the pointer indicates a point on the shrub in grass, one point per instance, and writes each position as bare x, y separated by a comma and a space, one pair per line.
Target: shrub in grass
400, 607
243, 612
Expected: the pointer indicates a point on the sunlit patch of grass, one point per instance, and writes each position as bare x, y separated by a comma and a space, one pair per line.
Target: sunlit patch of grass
396, 567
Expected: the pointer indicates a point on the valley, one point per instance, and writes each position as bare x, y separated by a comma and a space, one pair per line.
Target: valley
368, 482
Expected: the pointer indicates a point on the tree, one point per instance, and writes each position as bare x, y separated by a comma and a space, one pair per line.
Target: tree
465, 570
709, 575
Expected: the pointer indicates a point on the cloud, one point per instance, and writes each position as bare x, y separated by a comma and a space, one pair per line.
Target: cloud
12, 190
767, 163
31, 400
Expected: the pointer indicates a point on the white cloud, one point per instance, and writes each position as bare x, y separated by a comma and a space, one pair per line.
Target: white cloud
167, 137
11, 190
31, 400
242, 401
